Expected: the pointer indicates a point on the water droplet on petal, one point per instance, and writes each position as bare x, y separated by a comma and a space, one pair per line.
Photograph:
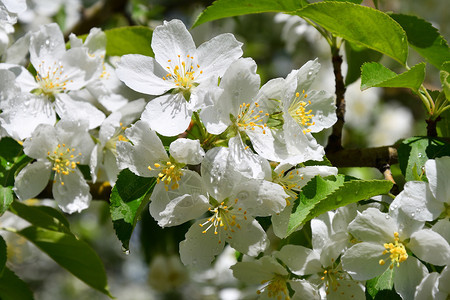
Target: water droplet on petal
125, 251
418, 210
387, 217
413, 214
47, 42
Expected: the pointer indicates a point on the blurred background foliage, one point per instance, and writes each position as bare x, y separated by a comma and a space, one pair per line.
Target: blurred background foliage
278, 44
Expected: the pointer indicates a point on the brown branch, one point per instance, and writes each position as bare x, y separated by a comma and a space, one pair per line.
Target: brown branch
335, 139
366, 157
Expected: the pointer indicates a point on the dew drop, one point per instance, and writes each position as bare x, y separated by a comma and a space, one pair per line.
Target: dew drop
387, 217
395, 206
420, 155
418, 210
47, 42
413, 214
125, 251
8, 163
338, 199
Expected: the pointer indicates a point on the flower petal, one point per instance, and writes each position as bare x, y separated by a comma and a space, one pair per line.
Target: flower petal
361, 261
430, 246
74, 195
408, 276
32, 180
168, 114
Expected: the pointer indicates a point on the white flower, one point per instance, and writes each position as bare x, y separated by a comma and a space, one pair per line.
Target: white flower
58, 150
434, 286
277, 118
181, 67
386, 240
234, 201
427, 201
103, 161
58, 72
292, 180
274, 279
329, 239
146, 156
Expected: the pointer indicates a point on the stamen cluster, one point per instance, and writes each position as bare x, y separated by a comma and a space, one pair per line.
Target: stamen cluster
63, 159
298, 111
397, 252
183, 74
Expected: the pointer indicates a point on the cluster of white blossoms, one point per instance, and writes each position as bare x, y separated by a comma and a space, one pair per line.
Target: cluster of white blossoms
78, 108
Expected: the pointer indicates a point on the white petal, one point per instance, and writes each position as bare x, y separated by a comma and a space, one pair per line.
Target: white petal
32, 180
321, 230
240, 84
174, 207
361, 261
217, 54
408, 276
427, 287
443, 228
301, 79
199, 249
47, 43
280, 222
304, 290
43, 139
187, 151
346, 289
28, 112
168, 114
417, 201
74, 195
253, 272
146, 150
75, 135
437, 172
323, 109
300, 260
373, 226
69, 109
444, 280
430, 246
170, 40
142, 74
250, 238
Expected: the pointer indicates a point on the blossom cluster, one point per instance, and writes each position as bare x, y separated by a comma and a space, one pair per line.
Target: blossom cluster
237, 154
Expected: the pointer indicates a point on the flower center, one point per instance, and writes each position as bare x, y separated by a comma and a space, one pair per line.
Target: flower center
170, 174
51, 79
251, 116
183, 73
298, 111
289, 181
276, 287
397, 252
117, 136
64, 161
224, 216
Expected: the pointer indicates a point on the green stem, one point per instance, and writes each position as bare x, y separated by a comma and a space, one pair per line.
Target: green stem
321, 31
426, 99
199, 123
10, 229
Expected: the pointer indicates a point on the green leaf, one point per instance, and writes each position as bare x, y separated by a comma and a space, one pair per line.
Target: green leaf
316, 190
229, 8
376, 75
383, 282
443, 126
11, 160
3, 255
129, 40
361, 25
322, 195
129, 196
6, 198
352, 1
42, 216
415, 151
444, 74
74, 255
425, 39
13, 288
356, 57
